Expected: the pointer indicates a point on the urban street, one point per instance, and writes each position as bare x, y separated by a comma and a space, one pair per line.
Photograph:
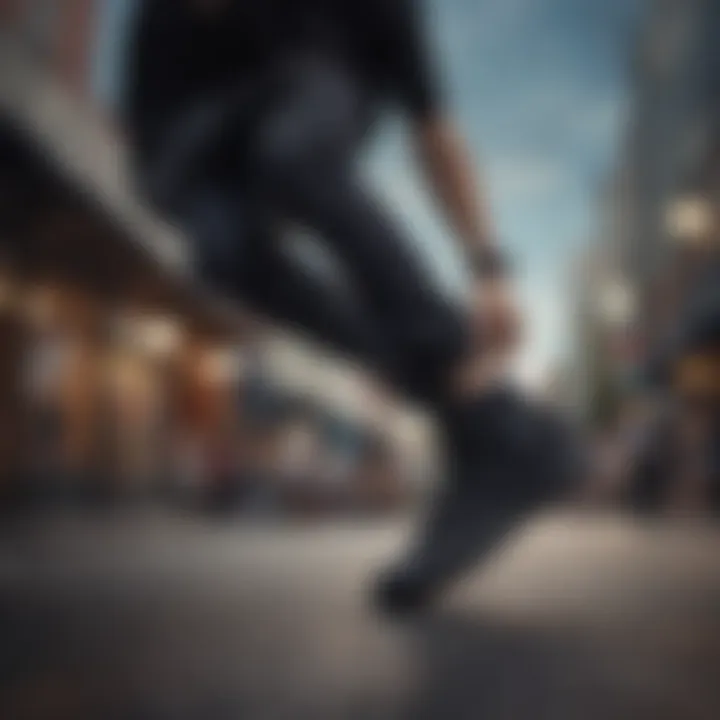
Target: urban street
153, 614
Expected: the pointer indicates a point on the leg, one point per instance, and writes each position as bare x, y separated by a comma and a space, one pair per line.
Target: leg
238, 255
304, 171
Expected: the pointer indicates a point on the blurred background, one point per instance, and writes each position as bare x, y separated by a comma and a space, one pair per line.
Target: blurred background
596, 129
124, 389
122, 380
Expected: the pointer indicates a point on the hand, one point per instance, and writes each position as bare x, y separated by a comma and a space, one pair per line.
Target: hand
497, 318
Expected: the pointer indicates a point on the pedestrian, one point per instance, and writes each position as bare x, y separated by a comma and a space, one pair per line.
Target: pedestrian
250, 115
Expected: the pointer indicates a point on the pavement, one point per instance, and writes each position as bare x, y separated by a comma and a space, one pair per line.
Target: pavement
153, 614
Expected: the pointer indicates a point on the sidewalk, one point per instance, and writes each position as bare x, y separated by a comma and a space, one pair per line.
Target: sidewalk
147, 614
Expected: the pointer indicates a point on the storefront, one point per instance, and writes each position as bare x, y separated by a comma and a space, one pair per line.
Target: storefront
101, 346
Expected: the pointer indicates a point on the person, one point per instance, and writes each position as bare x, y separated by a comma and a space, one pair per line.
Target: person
250, 117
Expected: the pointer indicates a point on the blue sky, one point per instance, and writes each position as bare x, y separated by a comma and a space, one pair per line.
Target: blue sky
539, 89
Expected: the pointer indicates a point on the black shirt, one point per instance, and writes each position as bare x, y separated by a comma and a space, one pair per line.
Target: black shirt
180, 56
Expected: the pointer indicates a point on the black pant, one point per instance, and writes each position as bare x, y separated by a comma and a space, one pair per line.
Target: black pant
299, 165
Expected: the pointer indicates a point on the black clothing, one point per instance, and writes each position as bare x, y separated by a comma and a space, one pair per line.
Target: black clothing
506, 458
252, 117
182, 57
300, 168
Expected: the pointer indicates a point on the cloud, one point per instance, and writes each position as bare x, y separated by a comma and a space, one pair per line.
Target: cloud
537, 88
524, 178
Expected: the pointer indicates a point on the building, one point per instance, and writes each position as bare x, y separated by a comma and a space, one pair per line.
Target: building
111, 359
661, 211
589, 386
115, 369
103, 346
671, 152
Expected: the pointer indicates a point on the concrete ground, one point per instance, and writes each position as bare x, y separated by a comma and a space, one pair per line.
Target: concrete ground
154, 615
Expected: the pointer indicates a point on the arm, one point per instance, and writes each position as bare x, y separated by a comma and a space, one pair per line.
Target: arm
445, 160
447, 166
442, 152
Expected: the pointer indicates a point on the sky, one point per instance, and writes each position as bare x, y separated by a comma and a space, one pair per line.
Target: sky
539, 88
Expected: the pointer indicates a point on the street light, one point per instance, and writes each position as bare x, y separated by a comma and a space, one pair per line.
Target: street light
159, 336
689, 220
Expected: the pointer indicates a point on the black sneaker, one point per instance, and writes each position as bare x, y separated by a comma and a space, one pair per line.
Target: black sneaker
504, 460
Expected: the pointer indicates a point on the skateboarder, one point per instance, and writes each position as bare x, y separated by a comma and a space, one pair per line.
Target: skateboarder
249, 116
